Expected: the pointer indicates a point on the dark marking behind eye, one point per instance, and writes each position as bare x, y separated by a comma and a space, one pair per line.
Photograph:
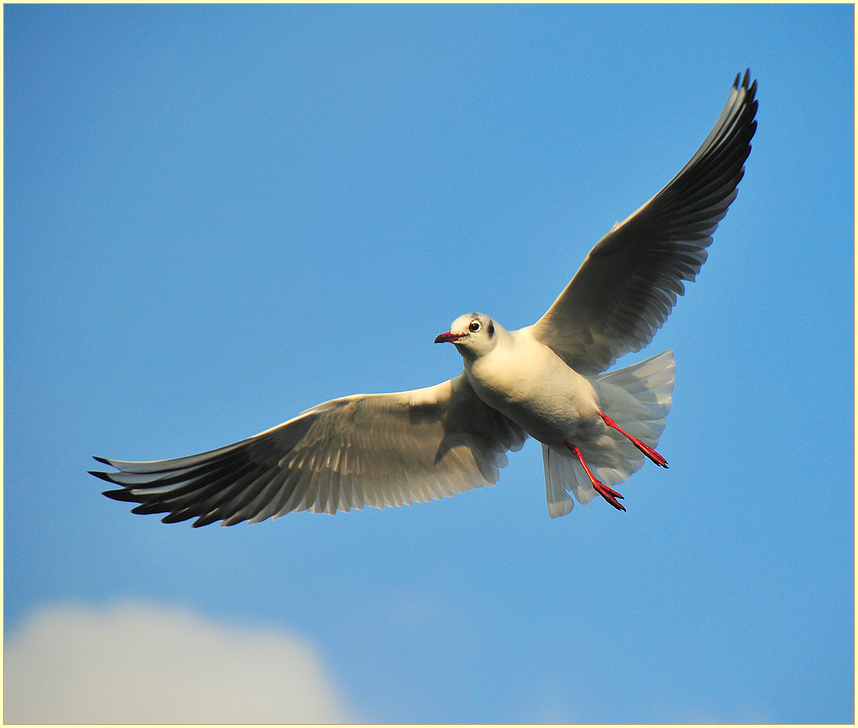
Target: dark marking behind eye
491, 329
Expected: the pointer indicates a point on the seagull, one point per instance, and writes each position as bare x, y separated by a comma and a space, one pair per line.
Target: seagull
547, 381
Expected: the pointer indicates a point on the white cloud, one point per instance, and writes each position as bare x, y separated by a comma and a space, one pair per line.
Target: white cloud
135, 663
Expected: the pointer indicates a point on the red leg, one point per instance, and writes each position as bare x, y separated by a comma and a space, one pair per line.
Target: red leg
643, 447
603, 490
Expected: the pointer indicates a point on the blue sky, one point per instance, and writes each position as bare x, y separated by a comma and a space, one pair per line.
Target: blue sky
218, 216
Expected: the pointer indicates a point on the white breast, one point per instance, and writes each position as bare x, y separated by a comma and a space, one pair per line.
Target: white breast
530, 384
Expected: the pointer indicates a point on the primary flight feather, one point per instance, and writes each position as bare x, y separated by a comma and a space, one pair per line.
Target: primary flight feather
546, 381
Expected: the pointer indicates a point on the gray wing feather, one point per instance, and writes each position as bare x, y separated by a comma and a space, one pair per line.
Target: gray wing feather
628, 285
365, 450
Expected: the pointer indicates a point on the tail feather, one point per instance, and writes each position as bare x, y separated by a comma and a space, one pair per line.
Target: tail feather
563, 476
638, 398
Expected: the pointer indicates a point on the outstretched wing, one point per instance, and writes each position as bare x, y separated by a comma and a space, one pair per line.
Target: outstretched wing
628, 284
365, 450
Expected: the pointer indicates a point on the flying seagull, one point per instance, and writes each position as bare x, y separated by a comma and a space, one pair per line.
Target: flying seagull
546, 380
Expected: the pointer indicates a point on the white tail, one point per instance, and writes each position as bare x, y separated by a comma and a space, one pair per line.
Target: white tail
638, 398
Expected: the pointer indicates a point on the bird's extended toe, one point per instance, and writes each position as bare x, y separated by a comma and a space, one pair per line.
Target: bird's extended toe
609, 494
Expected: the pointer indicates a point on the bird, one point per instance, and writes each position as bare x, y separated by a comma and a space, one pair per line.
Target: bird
549, 381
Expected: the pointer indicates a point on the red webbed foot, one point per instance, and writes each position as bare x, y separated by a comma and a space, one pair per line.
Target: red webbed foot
609, 494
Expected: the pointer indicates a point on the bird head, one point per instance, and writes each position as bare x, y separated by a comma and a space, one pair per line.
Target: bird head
473, 334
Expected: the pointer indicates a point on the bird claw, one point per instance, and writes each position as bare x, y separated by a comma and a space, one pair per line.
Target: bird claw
609, 494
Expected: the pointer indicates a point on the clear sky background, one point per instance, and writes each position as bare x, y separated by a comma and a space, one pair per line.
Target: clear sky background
216, 217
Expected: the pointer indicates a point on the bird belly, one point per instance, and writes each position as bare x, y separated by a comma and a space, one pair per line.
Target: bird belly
551, 402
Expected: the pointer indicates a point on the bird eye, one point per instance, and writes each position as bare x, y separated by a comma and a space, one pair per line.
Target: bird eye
474, 327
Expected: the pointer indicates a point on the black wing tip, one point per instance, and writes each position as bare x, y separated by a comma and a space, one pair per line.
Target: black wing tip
148, 506
124, 495
205, 521
749, 87
173, 517
102, 476
744, 83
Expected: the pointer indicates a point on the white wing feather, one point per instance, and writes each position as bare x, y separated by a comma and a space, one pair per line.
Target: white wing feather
628, 285
365, 450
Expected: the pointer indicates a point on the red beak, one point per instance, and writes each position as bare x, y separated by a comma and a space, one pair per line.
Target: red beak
448, 337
